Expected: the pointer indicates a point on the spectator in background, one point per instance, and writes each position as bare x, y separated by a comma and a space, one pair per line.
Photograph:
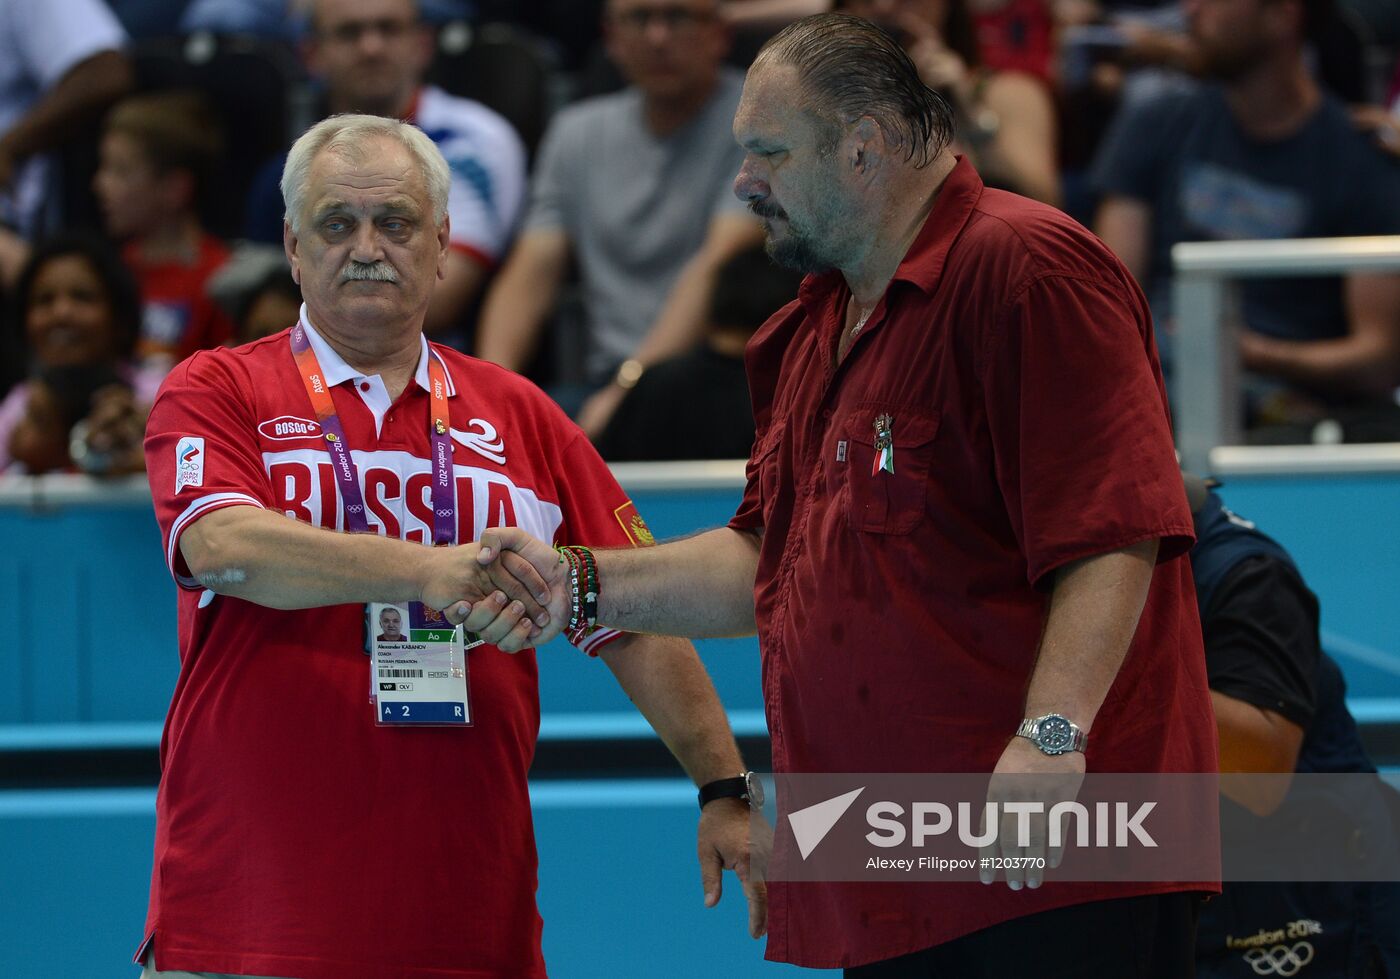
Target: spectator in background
157, 154
1280, 706
634, 186
78, 316
61, 66
696, 405
1262, 152
271, 305
371, 56
1004, 117
286, 19
256, 289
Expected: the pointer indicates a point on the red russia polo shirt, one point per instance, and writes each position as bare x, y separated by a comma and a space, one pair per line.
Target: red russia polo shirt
899, 613
294, 837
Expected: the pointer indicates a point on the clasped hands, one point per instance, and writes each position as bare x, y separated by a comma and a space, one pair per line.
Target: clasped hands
508, 588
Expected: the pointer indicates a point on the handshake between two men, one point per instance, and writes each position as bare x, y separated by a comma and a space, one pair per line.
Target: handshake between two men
529, 598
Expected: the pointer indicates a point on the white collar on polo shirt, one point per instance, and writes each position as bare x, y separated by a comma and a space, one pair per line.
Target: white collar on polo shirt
370, 387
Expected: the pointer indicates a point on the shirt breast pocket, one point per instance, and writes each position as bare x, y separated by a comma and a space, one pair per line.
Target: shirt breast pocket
888, 498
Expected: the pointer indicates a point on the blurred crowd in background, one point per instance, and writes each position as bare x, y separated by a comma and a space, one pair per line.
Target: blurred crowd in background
597, 246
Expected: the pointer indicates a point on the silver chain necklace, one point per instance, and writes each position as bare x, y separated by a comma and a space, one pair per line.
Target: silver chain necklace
860, 323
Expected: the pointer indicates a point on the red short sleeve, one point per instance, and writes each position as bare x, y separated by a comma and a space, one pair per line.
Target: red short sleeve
1078, 417
749, 516
597, 513
201, 451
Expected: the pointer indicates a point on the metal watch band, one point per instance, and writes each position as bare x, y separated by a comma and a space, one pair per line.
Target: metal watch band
1053, 734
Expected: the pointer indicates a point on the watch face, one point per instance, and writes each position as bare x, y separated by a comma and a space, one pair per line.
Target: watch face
1055, 735
755, 790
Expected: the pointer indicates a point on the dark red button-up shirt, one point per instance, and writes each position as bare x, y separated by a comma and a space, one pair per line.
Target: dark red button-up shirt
899, 613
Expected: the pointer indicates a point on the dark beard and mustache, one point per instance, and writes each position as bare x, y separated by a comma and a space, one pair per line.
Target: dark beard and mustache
796, 250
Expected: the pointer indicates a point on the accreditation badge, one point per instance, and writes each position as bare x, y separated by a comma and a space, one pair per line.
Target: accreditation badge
418, 665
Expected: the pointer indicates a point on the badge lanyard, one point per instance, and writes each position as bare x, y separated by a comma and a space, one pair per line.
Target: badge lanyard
432, 656
347, 477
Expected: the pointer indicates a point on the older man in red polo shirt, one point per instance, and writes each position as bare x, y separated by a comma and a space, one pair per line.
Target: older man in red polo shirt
963, 514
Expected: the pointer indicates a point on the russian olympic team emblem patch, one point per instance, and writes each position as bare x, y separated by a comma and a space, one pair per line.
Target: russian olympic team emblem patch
189, 462
633, 525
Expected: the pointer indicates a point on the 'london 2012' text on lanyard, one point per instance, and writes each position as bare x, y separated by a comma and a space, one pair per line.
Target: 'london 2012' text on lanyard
346, 475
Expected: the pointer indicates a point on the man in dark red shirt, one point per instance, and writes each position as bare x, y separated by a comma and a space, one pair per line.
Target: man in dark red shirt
963, 514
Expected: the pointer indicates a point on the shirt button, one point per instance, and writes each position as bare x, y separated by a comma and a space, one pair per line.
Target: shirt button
364, 385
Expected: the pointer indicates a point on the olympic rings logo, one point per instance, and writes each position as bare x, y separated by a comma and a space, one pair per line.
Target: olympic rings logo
1280, 960
355, 508
444, 513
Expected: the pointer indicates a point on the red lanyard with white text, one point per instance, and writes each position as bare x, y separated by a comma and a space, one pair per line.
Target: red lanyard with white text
346, 475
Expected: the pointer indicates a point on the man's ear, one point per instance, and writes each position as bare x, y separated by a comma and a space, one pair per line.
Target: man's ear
289, 246
444, 244
867, 145
178, 187
310, 50
424, 48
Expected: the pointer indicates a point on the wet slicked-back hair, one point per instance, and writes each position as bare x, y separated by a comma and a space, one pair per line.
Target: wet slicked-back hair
849, 67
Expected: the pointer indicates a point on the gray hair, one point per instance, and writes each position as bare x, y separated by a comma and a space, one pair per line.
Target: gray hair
849, 67
346, 134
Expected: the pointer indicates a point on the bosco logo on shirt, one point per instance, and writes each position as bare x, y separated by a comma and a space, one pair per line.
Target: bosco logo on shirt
189, 462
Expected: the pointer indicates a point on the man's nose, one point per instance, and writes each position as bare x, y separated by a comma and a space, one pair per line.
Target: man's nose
62, 306
365, 244
371, 40
748, 186
659, 30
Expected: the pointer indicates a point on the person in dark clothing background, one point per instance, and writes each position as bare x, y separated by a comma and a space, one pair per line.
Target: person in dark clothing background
1280, 703
696, 406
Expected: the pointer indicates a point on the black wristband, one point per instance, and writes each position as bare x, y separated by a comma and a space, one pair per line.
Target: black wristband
745, 787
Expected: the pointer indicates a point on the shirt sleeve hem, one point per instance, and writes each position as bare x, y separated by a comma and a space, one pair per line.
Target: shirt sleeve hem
597, 642
1247, 693
198, 508
1176, 540
475, 253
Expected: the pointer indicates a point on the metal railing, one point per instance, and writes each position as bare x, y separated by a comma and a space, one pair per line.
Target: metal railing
1205, 398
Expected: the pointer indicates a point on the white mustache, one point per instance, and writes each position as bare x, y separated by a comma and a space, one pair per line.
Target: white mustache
368, 272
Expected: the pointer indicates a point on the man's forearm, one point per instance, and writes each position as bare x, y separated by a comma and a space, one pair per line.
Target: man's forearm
521, 298
76, 102
700, 586
462, 280
1094, 611
266, 558
663, 676
680, 325
1351, 365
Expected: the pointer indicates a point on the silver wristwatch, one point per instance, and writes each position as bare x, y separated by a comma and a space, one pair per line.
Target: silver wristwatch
1053, 734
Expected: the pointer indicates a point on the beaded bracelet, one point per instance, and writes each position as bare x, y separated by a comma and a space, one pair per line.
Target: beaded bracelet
583, 591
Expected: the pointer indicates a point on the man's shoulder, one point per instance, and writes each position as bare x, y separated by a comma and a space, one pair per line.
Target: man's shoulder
236, 368
1033, 238
1354, 151
1176, 105
585, 116
443, 116
504, 389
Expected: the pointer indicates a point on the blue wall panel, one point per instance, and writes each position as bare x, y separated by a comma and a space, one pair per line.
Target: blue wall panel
619, 889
